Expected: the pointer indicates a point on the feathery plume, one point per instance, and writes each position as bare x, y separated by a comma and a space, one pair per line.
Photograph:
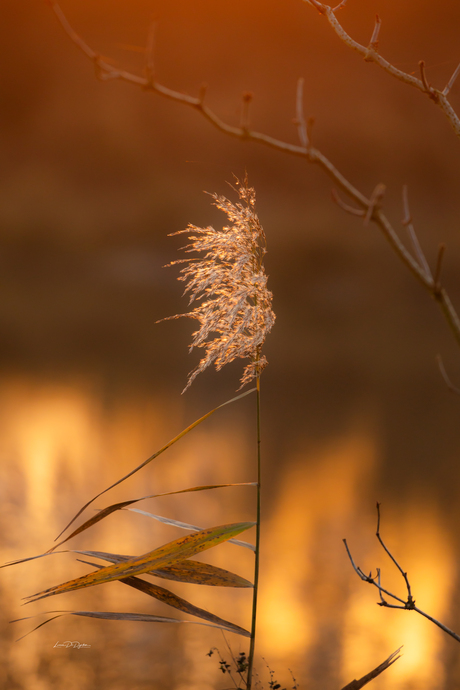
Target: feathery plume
230, 283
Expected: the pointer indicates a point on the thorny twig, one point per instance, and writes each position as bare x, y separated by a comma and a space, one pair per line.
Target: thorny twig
371, 207
407, 604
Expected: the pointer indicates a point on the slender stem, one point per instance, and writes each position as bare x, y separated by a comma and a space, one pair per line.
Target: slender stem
257, 553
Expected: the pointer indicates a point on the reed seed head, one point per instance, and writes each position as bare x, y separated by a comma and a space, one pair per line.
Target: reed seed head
229, 283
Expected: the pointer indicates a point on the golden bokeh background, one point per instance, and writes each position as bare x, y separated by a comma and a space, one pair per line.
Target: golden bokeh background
93, 177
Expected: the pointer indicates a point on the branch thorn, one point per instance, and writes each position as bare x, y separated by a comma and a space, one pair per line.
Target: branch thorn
375, 202
375, 34
345, 207
451, 81
318, 5
407, 222
202, 94
247, 97
437, 273
444, 375
426, 85
302, 125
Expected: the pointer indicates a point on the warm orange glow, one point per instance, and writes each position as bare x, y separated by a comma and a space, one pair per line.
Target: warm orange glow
317, 502
60, 433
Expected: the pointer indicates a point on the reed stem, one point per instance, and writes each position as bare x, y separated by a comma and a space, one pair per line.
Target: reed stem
257, 553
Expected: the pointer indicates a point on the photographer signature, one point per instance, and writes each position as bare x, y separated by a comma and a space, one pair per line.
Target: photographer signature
74, 645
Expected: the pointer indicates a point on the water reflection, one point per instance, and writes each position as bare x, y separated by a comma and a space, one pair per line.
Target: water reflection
60, 444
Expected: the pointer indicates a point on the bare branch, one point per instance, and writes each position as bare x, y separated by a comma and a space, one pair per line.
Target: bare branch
370, 54
312, 155
410, 600
372, 581
409, 603
357, 684
451, 81
444, 375
407, 222
375, 202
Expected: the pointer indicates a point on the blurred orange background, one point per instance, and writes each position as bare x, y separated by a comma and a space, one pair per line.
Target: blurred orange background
93, 177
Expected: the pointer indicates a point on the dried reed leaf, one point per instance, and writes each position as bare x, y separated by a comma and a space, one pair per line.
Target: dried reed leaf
168, 554
170, 599
155, 455
189, 571
198, 573
357, 684
119, 506
114, 616
192, 572
185, 525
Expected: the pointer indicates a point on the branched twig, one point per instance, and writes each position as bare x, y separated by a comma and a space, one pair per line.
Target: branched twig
410, 600
407, 604
370, 54
371, 206
357, 684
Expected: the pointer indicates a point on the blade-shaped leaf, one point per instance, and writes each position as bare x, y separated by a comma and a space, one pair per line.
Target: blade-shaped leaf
170, 599
170, 553
155, 455
202, 574
114, 616
189, 571
185, 525
118, 506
